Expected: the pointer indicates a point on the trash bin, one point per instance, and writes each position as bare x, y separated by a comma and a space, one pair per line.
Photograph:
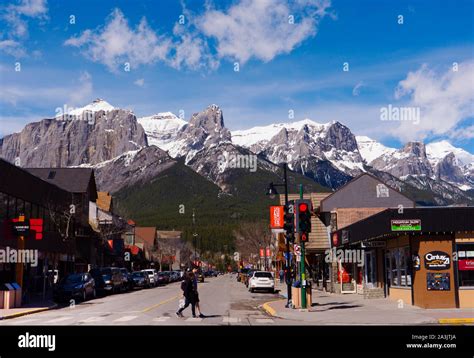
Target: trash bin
18, 294
8, 296
309, 295
296, 296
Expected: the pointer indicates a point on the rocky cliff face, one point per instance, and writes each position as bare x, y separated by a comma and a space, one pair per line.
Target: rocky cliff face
410, 160
74, 140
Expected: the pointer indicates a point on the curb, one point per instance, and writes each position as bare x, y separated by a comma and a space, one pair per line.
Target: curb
270, 310
456, 320
27, 312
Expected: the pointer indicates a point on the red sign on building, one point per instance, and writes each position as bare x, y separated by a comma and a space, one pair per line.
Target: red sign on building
465, 265
262, 253
276, 217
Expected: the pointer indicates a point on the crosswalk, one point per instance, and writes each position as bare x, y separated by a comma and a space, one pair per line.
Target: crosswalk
105, 319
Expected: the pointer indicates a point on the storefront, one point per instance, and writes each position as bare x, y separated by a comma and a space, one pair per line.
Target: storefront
419, 256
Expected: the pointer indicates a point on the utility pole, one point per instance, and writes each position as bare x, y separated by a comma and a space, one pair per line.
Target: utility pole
302, 267
288, 264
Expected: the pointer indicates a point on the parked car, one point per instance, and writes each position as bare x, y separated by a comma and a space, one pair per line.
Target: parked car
212, 273
174, 276
75, 286
140, 279
108, 279
163, 279
153, 276
261, 280
127, 279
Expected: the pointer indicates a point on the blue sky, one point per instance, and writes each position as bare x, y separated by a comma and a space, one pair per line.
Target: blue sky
283, 66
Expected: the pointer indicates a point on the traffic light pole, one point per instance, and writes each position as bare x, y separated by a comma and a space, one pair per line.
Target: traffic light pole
302, 268
288, 265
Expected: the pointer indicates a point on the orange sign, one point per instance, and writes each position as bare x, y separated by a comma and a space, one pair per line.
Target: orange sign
276, 217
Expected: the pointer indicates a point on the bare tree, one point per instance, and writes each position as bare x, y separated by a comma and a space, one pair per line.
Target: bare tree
250, 237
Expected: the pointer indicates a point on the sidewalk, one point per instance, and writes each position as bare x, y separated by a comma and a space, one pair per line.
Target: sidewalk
353, 309
32, 307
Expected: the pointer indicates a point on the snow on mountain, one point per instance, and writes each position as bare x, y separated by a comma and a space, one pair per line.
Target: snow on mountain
370, 149
162, 129
262, 134
437, 151
96, 106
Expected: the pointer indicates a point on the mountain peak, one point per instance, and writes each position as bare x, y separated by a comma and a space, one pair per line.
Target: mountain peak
416, 148
96, 105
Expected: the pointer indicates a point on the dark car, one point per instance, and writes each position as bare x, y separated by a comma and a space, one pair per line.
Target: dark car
108, 279
140, 279
212, 273
163, 279
127, 279
75, 286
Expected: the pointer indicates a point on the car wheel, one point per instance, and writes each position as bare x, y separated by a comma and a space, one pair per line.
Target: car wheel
94, 293
84, 295
252, 290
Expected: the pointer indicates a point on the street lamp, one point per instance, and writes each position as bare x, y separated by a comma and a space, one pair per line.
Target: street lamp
272, 192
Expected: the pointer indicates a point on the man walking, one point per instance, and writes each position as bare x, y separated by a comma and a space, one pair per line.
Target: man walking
189, 294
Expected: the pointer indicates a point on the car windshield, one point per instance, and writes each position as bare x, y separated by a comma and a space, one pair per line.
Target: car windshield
138, 274
73, 278
263, 274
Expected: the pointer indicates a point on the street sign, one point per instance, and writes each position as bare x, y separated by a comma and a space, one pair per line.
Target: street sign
277, 217
297, 249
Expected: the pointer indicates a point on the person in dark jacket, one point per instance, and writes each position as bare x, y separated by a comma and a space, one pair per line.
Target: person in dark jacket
189, 295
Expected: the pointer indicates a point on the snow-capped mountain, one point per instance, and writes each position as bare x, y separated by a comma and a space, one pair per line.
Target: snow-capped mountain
118, 145
370, 149
327, 152
162, 129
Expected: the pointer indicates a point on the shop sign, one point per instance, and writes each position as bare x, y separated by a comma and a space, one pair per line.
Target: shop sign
437, 260
345, 236
262, 253
466, 265
20, 228
375, 244
406, 225
276, 217
437, 281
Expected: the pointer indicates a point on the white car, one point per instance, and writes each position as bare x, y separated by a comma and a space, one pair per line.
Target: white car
262, 280
152, 275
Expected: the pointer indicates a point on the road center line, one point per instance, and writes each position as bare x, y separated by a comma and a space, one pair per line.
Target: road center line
161, 303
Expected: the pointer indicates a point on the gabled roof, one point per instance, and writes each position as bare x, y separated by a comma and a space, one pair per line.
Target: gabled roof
168, 234
145, 234
75, 180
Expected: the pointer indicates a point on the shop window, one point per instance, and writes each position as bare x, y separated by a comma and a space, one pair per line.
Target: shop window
3, 207
465, 256
399, 267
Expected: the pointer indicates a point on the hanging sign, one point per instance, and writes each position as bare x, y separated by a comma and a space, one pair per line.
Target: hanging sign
437, 260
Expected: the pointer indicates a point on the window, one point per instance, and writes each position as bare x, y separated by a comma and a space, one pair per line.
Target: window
465, 256
399, 267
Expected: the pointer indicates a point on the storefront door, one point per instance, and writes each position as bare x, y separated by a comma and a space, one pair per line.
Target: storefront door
370, 269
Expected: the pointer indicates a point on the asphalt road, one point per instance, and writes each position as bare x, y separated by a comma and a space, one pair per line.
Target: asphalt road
224, 301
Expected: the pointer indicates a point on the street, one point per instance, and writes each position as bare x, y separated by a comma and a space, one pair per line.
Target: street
224, 301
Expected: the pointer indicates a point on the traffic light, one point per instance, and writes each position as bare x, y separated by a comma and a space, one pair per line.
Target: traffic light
303, 218
289, 225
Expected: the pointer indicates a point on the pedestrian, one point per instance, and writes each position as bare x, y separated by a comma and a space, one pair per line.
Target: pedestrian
196, 293
282, 275
189, 295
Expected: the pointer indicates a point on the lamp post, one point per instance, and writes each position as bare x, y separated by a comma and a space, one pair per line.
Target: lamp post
271, 191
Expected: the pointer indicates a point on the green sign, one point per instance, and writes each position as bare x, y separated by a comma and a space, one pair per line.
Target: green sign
406, 225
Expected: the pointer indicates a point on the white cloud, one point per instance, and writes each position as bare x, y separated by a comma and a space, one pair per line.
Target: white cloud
140, 82
261, 29
117, 43
16, 18
445, 101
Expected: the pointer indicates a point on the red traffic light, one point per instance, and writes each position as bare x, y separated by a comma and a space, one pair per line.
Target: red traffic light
303, 207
